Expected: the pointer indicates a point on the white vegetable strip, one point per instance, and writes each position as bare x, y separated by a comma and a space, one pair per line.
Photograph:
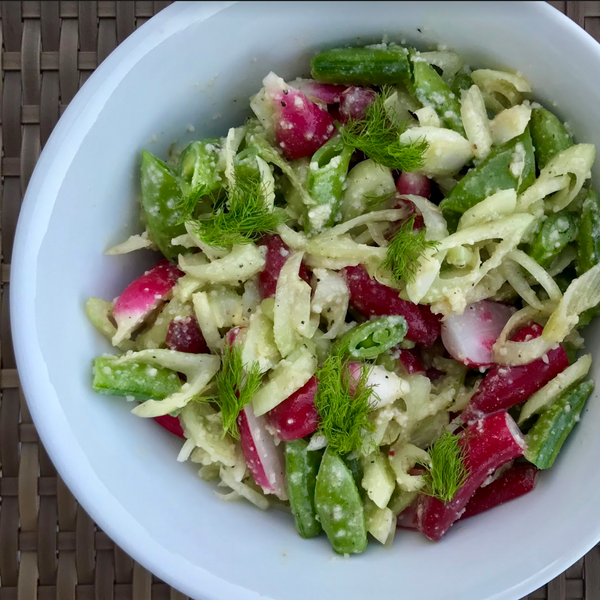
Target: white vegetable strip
131, 244
330, 299
582, 293
498, 205
289, 376
543, 399
240, 264
537, 272
198, 368
207, 321
476, 123
242, 489
435, 224
510, 123
403, 457
235, 136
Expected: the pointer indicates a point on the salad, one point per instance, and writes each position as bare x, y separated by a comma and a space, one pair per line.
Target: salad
368, 305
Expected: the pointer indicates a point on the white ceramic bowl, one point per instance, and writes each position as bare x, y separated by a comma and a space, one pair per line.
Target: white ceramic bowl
197, 64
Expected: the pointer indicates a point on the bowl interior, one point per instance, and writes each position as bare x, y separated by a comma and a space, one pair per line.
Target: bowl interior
193, 68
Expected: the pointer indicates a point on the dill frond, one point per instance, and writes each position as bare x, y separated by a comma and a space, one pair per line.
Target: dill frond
343, 404
377, 134
448, 471
235, 387
242, 218
405, 250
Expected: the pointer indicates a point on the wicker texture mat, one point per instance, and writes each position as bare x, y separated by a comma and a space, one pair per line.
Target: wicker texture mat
49, 548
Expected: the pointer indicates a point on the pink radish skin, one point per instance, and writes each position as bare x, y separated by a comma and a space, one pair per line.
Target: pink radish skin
470, 337
262, 456
503, 387
411, 361
171, 424
412, 183
184, 335
326, 92
235, 336
407, 519
301, 126
489, 443
513, 483
354, 102
373, 299
142, 296
296, 417
277, 254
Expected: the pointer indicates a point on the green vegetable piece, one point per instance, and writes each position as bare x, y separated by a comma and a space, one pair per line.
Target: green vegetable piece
462, 82
161, 197
198, 164
325, 183
139, 380
431, 90
510, 166
401, 500
558, 230
372, 337
381, 522
339, 506
549, 136
353, 463
547, 436
362, 66
588, 240
301, 468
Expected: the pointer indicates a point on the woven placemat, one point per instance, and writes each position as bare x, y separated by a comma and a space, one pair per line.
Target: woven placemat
49, 548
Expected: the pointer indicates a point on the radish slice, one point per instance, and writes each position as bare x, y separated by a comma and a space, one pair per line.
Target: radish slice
513, 483
354, 102
296, 417
411, 210
469, 337
277, 253
262, 456
171, 424
373, 299
184, 335
143, 296
412, 183
503, 387
407, 519
327, 92
411, 361
488, 444
301, 126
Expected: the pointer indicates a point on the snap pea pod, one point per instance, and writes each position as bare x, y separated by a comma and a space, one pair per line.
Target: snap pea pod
325, 183
509, 166
339, 506
549, 136
371, 338
362, 66
462, 82
161, 193
198, 165
588, 240
558, 230
431, 90
546, 438
301, 468
138, 380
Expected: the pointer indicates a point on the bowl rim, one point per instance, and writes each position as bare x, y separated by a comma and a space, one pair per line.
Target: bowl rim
54, 432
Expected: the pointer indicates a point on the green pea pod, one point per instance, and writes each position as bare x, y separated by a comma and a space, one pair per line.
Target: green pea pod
373, 337
362, 66
339, 506
161, 194
498, 171
588, 240
547, 436
549, 136
301, 468
558, 230
462, 82
325, 183
431, 90
198, 164
138, 380
355, 468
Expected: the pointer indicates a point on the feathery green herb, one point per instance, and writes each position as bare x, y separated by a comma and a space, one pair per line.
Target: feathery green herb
235, 387
448, 471
242, 218
405, 250
343, 404
378, 133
